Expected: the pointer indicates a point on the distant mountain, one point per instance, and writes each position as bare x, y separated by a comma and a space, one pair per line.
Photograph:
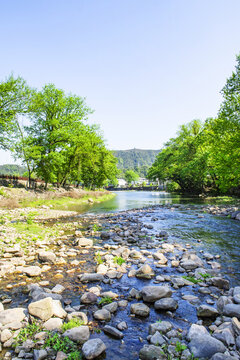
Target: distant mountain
135, 159
12, 170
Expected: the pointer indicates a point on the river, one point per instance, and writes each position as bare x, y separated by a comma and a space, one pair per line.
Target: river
187, 224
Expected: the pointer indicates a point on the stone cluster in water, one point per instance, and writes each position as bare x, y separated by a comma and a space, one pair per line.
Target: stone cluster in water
186, 307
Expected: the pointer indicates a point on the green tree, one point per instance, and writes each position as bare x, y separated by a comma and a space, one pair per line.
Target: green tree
130, 176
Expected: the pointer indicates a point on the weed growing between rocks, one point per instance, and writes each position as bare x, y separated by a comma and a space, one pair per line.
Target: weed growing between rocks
74, 322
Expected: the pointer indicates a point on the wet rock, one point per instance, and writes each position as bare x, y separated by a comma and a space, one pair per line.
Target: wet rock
122, 326
32, 270
11, 315
88, 298
205, 346
163, 233
236, 326
61, 355
225, 335
163, 326
90, 277
219, 282
220, 356
78, 314
140, 309
102, 315
157, 339
232, 310
222, 301
111, 307
110, 330
40, 354
5, 335
79, 334
102, 269
206, 311
47, 256
105, 235
166, 304
43, 309
160, 257
58, 289
189, 264
135, 254
85, 242
196, 330
53, 324
93, 348
151, 352
145, 272
154, 293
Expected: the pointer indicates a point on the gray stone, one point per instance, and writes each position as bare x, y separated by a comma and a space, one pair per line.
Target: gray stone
79, 334
79, 315
222, 301
207, 311
189, 264
40, 354
220, 356
163, 326
85, 242
166, 304
111, 307
219, 282
93, 348
53, 324
157, 339
154, 293
151, 352
102, 315
110, 330
236, 326
122, 326
145, 272
140, 309
232, 310
88, 298
91, 277
47, 256
32, 271
12, 315
196, 330
58, 289
205, 346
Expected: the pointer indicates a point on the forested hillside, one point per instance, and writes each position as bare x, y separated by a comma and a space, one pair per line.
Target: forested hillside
12, 170
135, 159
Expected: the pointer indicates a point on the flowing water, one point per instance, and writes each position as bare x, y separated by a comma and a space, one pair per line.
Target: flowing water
188, 224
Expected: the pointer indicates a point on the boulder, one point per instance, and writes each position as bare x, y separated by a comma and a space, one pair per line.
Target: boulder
78, 334
102, 315
43, 309
205, 346
47, 256
85, 242
196, 330
90, 277
89, 298
53, 324
145, 272
110, 330
206, 311
93, 348
12, 315
140, 309
162, 327
232, 310
32, 271
166, 304
151, 352
154, 293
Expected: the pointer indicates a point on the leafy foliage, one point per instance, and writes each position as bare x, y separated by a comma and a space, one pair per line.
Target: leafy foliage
205, 156
74, 322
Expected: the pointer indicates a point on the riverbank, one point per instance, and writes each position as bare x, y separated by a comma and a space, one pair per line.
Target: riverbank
134, 292
54, 198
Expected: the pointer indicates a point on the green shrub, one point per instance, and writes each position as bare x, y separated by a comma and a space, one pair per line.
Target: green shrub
105, 300
118, 260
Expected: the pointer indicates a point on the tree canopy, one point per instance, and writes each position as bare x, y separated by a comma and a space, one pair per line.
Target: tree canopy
206, 156
55, 143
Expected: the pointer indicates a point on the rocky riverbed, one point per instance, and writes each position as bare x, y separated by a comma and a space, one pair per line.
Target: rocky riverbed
111, 287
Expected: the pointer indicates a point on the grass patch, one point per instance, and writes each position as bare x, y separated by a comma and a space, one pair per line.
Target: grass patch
118, 260
74, 322
105, 300
58, 343
99, 259
27, 333
192, 279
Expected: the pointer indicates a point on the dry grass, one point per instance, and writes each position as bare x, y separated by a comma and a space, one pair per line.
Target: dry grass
10, 203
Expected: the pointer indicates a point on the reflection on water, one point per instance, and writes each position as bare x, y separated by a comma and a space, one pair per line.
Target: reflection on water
217, 235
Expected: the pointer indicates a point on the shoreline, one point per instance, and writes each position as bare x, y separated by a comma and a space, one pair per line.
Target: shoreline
178, 278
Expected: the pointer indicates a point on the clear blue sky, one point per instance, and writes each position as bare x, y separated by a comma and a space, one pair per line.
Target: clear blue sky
144, 66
